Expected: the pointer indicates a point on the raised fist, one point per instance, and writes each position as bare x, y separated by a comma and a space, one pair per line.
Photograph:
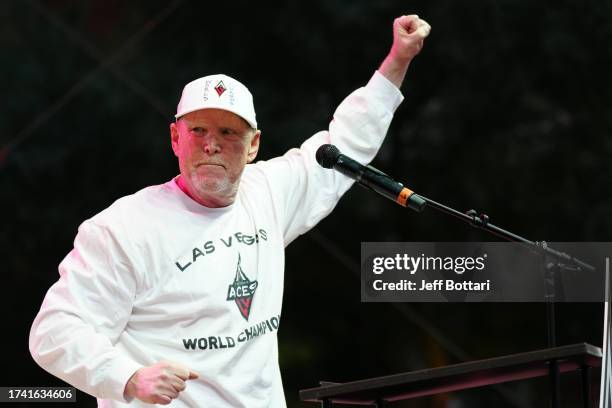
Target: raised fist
409, 32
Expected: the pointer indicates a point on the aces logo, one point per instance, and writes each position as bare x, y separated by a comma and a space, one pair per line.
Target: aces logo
220, 88
242, 291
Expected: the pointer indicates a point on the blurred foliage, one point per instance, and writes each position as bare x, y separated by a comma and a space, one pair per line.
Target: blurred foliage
507, 110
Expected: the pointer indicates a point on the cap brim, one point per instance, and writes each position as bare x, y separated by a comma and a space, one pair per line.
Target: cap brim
225, 108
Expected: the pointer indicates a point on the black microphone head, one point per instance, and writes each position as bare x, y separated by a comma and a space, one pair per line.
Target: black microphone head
327, 155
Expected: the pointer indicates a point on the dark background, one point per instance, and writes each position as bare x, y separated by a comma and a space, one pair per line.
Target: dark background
508, 110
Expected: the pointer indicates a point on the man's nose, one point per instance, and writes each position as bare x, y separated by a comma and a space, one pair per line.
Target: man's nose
211, 142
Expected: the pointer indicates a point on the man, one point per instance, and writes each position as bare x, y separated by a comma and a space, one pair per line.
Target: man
173, 294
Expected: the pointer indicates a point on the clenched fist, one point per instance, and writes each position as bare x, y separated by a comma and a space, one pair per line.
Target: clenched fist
409, 33
159, 383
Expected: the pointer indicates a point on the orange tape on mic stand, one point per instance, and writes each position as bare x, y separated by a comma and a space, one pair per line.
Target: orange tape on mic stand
403, 196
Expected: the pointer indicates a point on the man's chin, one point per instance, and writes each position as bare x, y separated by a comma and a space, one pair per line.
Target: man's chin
207, 186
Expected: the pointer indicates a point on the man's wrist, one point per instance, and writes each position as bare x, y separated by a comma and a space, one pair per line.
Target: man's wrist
394, 69
129, 391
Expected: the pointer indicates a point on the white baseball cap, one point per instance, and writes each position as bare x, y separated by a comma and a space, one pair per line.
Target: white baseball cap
220, 92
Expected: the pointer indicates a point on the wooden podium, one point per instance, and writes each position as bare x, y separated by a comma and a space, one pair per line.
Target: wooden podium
380, 390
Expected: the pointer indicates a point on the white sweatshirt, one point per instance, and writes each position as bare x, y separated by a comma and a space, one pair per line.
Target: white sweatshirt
157, 276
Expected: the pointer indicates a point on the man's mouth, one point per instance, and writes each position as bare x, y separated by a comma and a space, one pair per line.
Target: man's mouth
210, 164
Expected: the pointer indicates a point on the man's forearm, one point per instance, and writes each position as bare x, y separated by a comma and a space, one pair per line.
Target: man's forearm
394, 71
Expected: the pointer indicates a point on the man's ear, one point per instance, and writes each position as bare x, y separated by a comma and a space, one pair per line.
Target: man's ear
254, 147
174, 137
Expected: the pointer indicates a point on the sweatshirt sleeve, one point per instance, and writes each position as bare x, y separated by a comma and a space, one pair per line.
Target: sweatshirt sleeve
302, 191
84, 313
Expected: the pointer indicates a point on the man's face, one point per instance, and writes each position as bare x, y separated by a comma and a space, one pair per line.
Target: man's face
213, 146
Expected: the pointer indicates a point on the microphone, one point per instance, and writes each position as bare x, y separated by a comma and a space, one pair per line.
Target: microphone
373, 179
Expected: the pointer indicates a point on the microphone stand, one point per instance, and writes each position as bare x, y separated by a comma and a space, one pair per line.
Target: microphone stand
552, 272
328, 156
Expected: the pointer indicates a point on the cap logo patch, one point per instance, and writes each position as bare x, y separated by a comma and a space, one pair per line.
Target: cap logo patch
220, 88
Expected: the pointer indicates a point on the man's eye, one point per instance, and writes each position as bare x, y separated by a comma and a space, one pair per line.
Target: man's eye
197, 129
227, 131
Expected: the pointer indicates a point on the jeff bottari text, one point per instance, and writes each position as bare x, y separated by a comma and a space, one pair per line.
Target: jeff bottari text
435, 285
